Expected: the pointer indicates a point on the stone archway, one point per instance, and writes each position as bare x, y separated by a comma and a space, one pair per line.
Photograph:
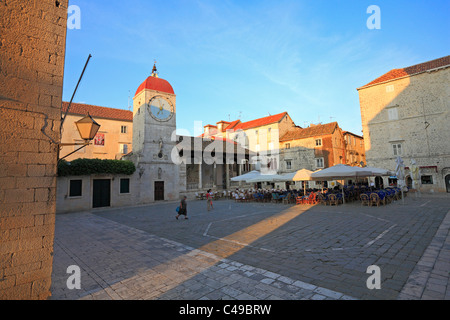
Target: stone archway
447, 182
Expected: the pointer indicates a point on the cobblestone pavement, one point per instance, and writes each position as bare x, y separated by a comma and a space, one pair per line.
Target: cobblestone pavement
256, 251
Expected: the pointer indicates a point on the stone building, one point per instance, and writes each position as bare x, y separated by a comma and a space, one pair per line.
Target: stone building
168, 165
113, 140
261, 136
290, 147
32, 53
405, 112
315, 147
355, 152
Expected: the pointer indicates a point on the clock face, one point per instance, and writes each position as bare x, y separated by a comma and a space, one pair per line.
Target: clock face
160, 108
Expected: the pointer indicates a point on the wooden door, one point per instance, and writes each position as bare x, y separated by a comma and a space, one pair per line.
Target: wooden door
101, 195
159, 190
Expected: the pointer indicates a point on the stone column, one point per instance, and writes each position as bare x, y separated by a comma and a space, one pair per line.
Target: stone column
227, 173
200, 180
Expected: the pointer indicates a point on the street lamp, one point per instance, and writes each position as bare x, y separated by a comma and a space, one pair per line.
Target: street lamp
87, 128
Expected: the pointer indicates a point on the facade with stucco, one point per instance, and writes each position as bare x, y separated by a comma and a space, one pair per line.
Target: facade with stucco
113, 140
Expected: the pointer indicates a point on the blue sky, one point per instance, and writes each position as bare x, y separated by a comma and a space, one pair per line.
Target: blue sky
246, 59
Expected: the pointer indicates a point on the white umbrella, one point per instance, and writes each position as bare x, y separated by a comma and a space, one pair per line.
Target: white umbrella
415, 175
400, 173
266, 178
300, 175
304, 175
339, 172
287, 177
246, 176
378, 171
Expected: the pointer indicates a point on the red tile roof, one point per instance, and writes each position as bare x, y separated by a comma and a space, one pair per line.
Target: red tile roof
260, 122
98, 112
409, 71
157, 84
353, 134
232, 125
314, 131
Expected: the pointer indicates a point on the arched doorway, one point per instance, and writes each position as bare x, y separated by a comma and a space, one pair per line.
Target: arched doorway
409, 182
447, 182
379, 182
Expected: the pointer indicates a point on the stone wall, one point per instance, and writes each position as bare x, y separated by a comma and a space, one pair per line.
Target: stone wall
412, 111
66, 203
32, 52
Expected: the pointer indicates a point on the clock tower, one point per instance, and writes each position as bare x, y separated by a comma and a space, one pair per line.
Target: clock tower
154, 123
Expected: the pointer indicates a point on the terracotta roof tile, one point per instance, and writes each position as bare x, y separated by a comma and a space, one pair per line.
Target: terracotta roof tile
157, 84
314, 131
409, 71
97, 111
260, 122
232, 125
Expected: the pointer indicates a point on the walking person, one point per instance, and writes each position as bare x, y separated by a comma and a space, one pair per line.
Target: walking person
209, 203
183, 208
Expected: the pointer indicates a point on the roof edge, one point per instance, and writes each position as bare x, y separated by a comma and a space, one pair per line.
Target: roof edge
409, 75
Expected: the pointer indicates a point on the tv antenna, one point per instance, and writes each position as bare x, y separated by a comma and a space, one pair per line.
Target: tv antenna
129, 107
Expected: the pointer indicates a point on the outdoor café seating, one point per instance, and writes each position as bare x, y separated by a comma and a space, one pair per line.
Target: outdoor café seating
365, 201
360, 194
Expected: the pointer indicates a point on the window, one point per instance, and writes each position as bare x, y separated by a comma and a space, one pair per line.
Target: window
397, 149
75, 188
318, 142
287, 146
427, 179
393, 114
125, 185
124, 148
390, 88
288, 164
123, 129
319, 162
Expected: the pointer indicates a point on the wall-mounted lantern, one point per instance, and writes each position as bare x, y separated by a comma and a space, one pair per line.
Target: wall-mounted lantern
87, 128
